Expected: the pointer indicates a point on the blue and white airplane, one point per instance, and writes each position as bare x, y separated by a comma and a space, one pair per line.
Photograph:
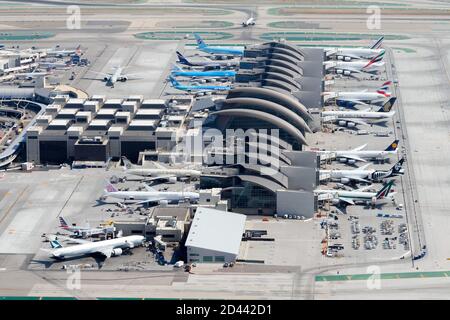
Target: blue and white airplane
202, 46
179, 72
197, 88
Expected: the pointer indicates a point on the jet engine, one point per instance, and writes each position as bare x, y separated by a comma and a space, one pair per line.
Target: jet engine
172, 179
345, 180
163, 203
116, 252
123, 79
351, 161
347, 73
342, 160
105, 78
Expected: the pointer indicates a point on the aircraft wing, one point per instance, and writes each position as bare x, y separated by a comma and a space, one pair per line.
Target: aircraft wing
358, 179
350, 156
79, 241
355, 101
357, 121
349, 201
106, 251
159, 178
158, 165
150, 200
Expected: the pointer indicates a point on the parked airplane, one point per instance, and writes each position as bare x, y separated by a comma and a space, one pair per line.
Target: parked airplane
350, 99
54, 65
351, 119
150, 195
177, 71
358, 154
362, 174
112, 78
202, 46
30, 75
350, 68
346, 197
349, 54
83, 232
249, 22
206, 64
160, 173
197, 88
107, 248
56, 52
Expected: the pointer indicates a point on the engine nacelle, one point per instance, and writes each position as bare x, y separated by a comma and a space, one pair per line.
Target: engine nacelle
342, 160
123, 79
335, 201
340, 57
347, 73
342, 123
339, 71
105, 78
164, 202
351, 161
347, 59
351, 124
116, 252
172, 179
345, 180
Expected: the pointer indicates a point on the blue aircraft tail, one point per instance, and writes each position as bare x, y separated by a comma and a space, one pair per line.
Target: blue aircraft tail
173, 81
200, 42
393, 146
55, 244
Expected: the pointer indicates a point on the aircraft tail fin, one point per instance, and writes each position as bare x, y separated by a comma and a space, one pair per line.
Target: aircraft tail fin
398, 167
127, 163
173, 81
110, 188
384, 192
63, 223
377, 58
182, 59
393, 146
387, 106
200, 42
385, 86
55, 244
377, 43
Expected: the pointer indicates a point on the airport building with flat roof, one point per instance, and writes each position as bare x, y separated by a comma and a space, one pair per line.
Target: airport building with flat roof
97, 129
214, 236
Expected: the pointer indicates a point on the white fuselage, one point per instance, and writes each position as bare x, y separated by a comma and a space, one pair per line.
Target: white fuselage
347, 174
363, 154
148, 172
362, 53
366, 97
368, 116
355, 196
344, 67
98, 246
153, 196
